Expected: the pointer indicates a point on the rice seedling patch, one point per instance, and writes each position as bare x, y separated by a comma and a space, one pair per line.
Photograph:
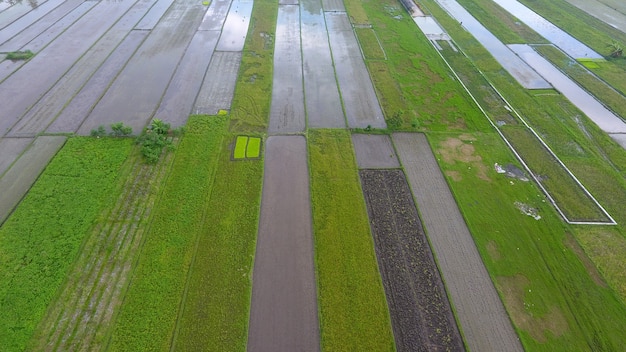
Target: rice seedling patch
246, 148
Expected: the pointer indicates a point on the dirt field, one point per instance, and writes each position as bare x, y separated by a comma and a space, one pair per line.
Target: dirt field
483, 319
421, 315
374, 151
283, 313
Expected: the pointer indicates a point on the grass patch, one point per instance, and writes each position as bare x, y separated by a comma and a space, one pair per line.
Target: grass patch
240, 147
501, 23
254, 147
217, 303
352, 304
593, 32
612, 99
370, 45
253, 91
607, 248
20, 55
152, 302
42, 238
431, 99
553, 302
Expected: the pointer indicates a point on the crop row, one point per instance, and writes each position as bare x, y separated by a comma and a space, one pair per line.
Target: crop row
352, 305
153, 299
42, 238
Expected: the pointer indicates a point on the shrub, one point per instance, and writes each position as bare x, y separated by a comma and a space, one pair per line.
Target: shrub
118, 129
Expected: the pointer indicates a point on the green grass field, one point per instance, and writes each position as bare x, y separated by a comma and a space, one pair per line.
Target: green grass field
152, 302
43, 236
551, 296
215, 312
352, 304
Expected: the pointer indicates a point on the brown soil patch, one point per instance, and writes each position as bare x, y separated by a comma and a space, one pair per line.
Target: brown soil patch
593, 272
492, 249
455, 175
456, 149
513, 289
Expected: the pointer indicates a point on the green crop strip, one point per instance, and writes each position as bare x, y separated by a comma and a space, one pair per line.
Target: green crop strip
251, 104
240, 147
254, 147
501, 23
216, 308
352, 304
369, 44
414, 86
41, 239
152, 302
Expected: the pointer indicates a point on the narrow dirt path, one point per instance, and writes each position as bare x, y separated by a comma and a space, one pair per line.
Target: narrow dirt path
483, 319
283, 313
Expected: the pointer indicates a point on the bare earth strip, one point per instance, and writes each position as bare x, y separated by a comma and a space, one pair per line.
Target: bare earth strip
602, 12
323, 104
152, 17
31, 17
48, 107
135, 95
218, 87
287, 108
44, 69
181, 93
235, 26
355, 85
45, 38
15, 11
20, 177
374, 151
421, 315
17, 41
483, 319
283, 313
333, 5
75, 112
618, 5
80, 318
11, 149
215, 16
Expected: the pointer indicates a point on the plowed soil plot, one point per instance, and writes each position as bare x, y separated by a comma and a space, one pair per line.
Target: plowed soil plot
421, 315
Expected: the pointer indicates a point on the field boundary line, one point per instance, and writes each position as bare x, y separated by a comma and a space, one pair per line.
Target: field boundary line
519, 157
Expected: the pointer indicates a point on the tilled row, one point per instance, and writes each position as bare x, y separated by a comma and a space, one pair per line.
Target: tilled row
421, 315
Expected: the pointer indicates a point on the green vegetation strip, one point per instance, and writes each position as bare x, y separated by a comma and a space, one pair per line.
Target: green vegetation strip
251, 103
501, 23
352, 304
240, 147
148, 315
41, 239
254, 147
369, 44
550, 295
216, 308
414, 86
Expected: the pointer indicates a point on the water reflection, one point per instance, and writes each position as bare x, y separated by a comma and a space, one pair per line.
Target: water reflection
32, 3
